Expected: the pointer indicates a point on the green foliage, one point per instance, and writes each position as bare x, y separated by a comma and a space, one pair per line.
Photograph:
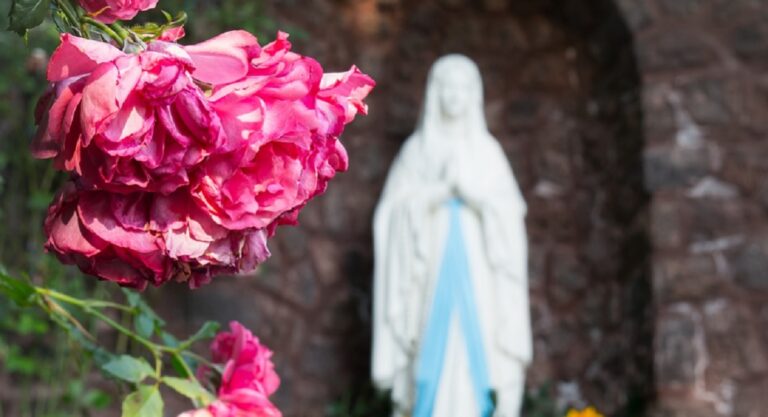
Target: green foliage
206, 331
362, 401
541, 403
189, 388
182, 366
151, 30
35, 359
27, 14
144, 325
18, 291
212, 17
129, 368
144, 402
70, 312
96, 399
146, 322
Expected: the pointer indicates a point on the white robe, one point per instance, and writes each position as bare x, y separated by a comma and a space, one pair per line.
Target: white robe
410, 227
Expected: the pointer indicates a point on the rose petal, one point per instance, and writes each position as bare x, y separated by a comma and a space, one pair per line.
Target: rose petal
77, 56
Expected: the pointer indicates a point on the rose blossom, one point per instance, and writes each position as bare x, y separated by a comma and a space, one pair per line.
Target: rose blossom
247, 363
138, 238
108, 11
199, 247
184, 160
102, 233
125, 122
172, 34
248, 378
287, 116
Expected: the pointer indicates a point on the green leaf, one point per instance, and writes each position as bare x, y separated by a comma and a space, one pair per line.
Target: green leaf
169, 339
132, 296
39, 200
135, 301
144, 325
17, 362
145, 402
189, 388
99, 355
20, 292
26, 14
29, 324
97, 399
178, 366
129, 368
207, 331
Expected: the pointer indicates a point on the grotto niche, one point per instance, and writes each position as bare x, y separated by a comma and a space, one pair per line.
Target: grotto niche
562, 96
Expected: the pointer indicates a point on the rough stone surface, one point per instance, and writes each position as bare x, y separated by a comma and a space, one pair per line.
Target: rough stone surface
708, 212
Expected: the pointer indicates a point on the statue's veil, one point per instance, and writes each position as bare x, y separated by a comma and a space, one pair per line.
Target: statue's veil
430, 112
479, 148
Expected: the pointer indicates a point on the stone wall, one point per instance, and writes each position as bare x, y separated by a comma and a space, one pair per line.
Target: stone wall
705, 101
634, 130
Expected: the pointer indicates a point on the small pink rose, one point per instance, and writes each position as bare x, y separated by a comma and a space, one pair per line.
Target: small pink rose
109, 11
172, 34
248, 378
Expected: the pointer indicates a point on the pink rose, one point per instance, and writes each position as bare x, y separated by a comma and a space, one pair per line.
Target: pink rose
246, 403
198, 247
104, 235
108, 11
286, 117
247, 363
172, 34
184, 160
248, 378
138, 238
125, 122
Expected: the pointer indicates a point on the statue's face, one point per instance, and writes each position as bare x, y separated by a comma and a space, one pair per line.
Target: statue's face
455, 91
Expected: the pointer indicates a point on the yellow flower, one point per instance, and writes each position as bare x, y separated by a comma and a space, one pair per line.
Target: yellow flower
587, 412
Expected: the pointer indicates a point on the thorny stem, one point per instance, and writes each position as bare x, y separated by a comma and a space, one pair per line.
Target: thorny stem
200, 359
152, 347
104, 28
120, 30
82, 303
68, 10
91, 307
116, 31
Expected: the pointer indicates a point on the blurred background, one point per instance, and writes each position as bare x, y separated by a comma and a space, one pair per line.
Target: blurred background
634, 128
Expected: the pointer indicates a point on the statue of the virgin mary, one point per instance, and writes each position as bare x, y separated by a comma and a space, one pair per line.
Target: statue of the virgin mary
452, 334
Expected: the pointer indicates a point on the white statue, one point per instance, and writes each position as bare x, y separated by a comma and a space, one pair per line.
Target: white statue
451, 313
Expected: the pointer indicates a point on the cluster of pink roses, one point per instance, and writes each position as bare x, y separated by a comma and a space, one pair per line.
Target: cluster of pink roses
184, 159
247, 380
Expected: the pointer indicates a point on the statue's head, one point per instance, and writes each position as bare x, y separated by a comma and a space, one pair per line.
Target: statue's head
454, 92
458, 85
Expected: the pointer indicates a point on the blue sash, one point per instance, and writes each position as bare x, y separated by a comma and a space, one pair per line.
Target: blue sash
453, 295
